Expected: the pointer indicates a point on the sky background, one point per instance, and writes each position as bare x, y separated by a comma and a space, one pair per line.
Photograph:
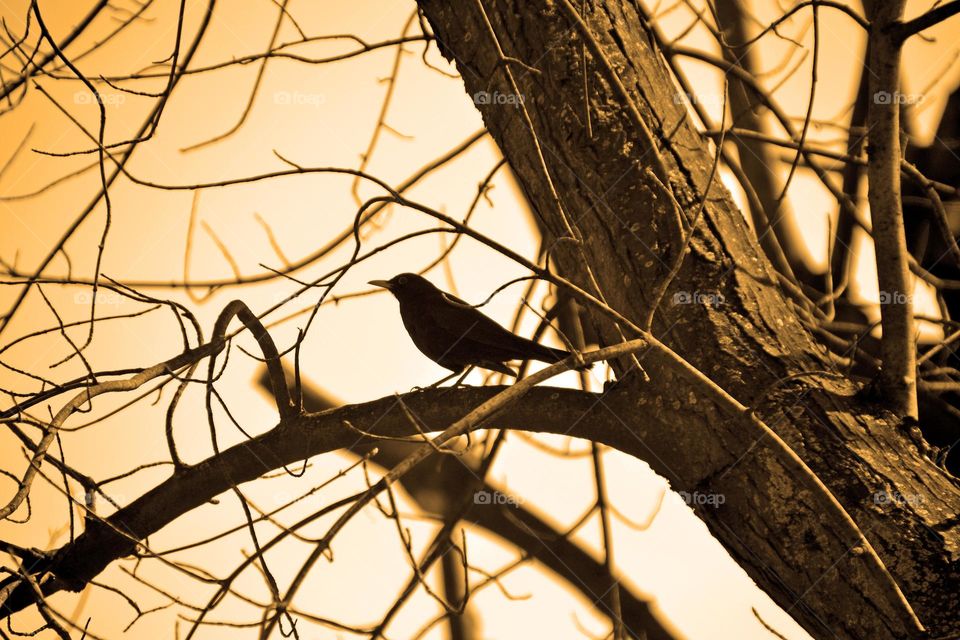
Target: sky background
356, 350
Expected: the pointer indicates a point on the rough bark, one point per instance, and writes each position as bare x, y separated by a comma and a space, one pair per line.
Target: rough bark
752, 343
899, 375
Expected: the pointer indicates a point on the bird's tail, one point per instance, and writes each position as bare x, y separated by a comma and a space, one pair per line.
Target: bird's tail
549, 354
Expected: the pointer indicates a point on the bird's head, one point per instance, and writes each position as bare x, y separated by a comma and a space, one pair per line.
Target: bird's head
406, 285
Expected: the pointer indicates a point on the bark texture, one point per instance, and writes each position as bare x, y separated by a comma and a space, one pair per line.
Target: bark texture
899, 376
723, 312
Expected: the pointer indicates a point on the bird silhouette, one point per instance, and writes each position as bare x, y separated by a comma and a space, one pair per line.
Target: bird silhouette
454, 334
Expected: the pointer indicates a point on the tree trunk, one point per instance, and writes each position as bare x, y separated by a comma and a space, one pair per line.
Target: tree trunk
723, 312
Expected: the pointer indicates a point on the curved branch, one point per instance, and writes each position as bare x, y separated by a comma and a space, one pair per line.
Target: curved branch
546, 409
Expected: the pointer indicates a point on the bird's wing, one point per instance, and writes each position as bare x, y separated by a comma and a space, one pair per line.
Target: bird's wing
461, 319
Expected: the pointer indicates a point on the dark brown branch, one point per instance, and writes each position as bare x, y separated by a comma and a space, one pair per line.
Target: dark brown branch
898, 373
903, 30
11, 86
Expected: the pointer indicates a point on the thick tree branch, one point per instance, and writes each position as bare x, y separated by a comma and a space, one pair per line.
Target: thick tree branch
546, 409
898, 350
618, 418
903, 30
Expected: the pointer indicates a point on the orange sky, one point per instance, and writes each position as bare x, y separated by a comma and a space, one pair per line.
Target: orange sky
356, 350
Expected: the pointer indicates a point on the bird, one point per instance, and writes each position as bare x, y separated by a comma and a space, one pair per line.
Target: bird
456, 335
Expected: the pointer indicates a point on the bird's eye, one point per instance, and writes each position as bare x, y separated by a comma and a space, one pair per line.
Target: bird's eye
402, 280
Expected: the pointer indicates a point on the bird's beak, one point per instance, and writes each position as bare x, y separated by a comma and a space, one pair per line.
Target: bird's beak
382, 283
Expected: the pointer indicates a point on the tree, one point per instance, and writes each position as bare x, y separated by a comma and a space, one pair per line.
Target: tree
730, 377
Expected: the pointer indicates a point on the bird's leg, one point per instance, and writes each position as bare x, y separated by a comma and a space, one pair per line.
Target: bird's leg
460, 380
